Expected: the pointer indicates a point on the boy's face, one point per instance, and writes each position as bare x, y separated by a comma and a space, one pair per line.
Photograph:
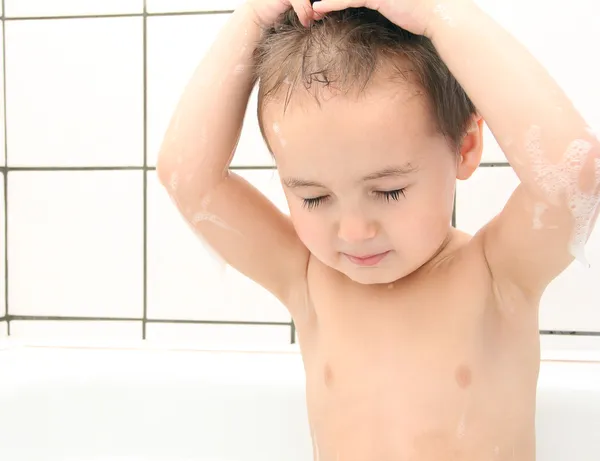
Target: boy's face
370, 186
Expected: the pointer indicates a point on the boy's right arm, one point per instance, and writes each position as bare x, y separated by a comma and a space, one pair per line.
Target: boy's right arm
234, 218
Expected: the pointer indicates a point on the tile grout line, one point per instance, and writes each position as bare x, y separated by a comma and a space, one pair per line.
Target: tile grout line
55, 318
145, 173
34, 318
498, 165
7, 314
115, 168
117, 15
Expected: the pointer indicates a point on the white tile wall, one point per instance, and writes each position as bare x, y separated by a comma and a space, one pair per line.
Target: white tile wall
188, 281
169, 70
75, 92
2, 251
75, 99
566, 342
75, 243
3, 329
561, 38
2, 134
67, 329
165, 6
216, 335
40, 8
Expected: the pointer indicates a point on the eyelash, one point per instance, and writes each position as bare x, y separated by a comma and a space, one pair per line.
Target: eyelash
311, 203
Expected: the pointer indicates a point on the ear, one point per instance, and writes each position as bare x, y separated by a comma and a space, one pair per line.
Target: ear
471, 149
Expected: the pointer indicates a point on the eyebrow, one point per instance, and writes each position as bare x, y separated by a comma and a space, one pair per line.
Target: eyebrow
391, 171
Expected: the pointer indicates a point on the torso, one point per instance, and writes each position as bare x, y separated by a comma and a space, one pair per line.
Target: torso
431, 368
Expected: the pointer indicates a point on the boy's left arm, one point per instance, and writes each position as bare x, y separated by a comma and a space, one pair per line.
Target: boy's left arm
550, 216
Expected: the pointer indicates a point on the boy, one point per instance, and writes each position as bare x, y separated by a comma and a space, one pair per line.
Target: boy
419, 342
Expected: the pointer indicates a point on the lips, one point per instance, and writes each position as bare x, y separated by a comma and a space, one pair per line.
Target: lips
367, 261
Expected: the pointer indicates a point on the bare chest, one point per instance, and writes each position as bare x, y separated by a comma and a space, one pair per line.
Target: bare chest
417, 376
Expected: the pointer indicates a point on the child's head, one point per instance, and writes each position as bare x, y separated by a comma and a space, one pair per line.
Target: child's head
369, 131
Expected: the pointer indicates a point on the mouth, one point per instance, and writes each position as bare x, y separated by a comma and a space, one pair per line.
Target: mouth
367, 261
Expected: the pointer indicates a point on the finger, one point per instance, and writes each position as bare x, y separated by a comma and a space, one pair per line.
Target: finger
325, 6
318, 16
304, 11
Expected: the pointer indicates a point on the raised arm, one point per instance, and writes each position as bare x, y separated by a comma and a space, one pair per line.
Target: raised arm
234, 218
550, 216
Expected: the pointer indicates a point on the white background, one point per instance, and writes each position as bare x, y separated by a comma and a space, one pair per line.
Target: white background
75, 90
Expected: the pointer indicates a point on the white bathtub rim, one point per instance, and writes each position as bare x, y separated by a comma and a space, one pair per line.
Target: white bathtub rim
588, 354
9, 343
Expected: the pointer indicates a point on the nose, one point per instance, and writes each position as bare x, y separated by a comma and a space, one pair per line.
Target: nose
354, 228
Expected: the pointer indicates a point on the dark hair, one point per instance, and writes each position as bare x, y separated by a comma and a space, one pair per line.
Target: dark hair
344, 50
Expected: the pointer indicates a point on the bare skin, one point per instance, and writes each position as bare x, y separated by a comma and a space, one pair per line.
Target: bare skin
428, 370
430, 351
418, 357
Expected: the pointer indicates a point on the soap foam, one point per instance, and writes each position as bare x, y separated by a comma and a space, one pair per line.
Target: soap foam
562, 179
441, 11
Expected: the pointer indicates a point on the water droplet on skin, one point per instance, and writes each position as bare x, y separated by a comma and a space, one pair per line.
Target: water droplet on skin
460, 431
316, 454
277, 130
239, 69
174, 181
538, 211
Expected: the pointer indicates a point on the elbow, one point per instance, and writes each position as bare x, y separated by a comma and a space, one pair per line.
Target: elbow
166, 168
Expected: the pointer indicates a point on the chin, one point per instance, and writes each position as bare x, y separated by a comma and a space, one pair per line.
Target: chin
374, 276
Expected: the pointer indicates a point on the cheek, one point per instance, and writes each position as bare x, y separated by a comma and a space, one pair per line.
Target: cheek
426, 213
310, 227
440, 191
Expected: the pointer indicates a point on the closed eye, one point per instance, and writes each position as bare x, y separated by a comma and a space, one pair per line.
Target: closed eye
310, 203
391, 194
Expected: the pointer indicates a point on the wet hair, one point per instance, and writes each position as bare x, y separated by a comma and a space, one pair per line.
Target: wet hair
344, 51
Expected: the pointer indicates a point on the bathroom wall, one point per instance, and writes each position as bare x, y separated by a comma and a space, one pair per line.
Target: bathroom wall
90, 244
